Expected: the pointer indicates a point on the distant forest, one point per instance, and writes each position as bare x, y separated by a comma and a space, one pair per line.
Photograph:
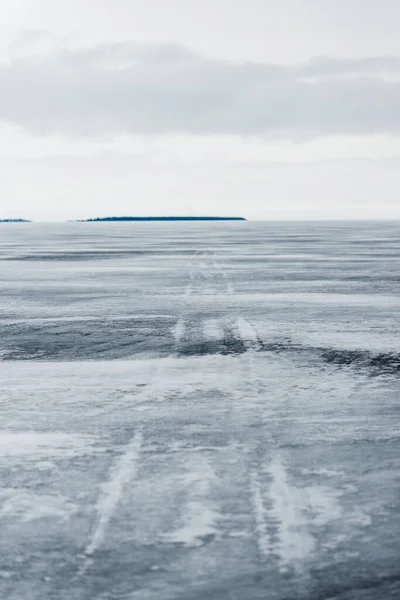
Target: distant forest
163, 219
118, 219
15, 221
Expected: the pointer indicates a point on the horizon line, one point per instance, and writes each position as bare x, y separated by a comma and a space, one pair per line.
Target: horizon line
253, 220
131, 218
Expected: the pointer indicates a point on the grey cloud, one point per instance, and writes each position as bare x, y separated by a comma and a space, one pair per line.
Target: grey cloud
136, 88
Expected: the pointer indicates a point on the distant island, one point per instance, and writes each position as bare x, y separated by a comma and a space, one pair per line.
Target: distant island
102, 219
15, 221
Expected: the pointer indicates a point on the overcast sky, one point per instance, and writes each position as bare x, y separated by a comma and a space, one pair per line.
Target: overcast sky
266, 109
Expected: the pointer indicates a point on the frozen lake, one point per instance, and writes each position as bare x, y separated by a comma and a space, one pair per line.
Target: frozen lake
200, 411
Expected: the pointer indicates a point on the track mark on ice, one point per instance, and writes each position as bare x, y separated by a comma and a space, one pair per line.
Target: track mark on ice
178, 330
212, 330
260, 514
200, 514
294, 542
248, 334
123, 471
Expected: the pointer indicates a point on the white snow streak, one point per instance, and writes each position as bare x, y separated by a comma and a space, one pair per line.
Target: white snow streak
200, 513
178, 330
247, 333
120, 474
37, 445
199, 523
260, 513
295, 541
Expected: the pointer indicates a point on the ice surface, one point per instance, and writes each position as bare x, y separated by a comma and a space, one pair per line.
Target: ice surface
193, 412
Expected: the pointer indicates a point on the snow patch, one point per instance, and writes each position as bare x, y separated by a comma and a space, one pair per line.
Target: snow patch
26, 506
295, 542
32, 445
199, 524
200, 513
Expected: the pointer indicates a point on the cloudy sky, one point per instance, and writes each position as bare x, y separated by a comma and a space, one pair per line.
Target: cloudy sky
266, 109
